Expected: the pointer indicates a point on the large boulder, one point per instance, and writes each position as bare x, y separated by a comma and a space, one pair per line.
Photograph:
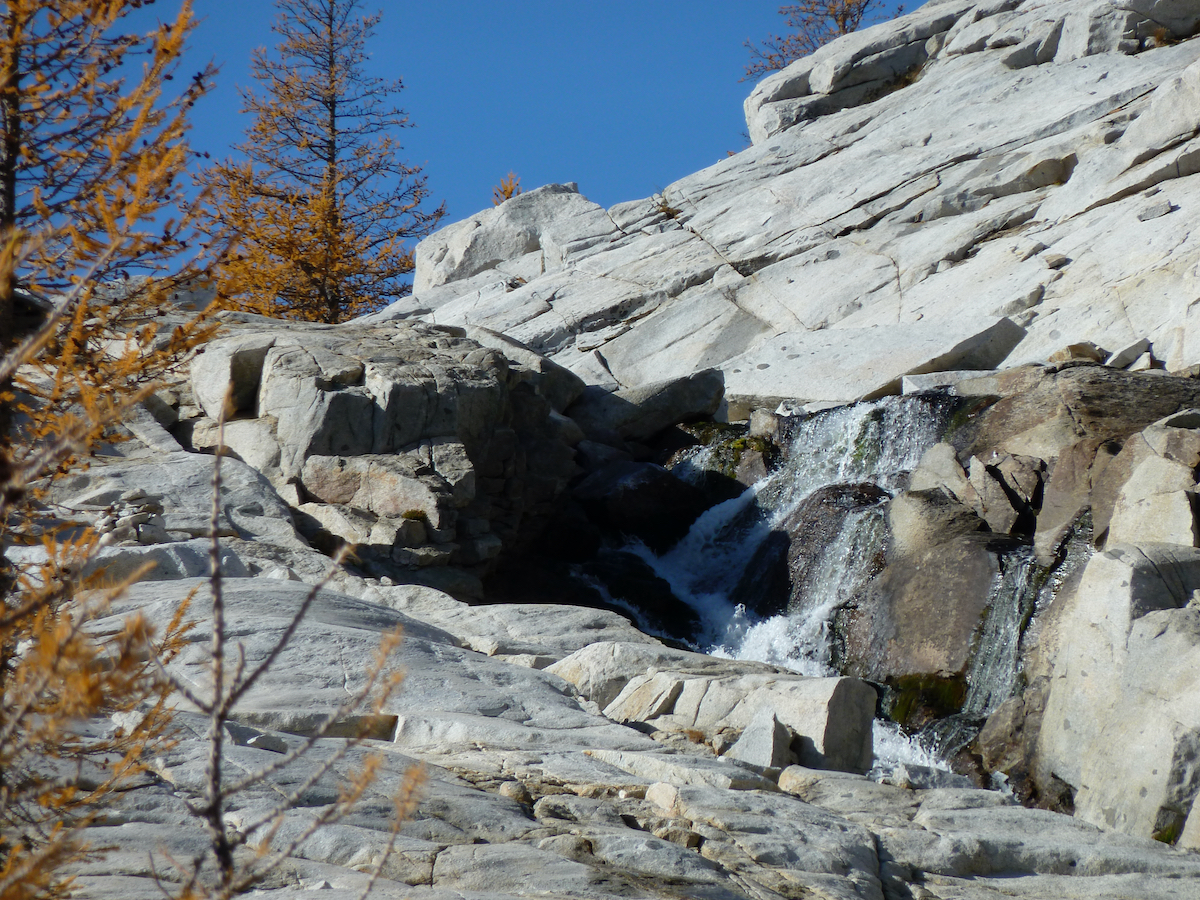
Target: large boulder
1146, 493
450, 695
601, 670
1120, 723
831, 717
918, 625
415, 443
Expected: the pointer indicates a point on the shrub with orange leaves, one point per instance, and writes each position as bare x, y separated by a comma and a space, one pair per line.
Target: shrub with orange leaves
508, 188
91, 162
92, 159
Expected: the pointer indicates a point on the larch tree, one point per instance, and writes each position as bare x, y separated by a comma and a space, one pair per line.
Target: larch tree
509, 187
811, 25
322, 208
92, 169
93, 163
92, 160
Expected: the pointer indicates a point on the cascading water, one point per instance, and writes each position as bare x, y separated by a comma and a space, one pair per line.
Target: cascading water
996, 663
874, 444
1022, 589
850, 458
768, 570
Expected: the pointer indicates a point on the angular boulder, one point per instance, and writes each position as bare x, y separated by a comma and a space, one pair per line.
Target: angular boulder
1120, 723
831, 717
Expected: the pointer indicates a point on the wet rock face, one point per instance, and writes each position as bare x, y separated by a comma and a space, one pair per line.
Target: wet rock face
783, 570
641, 500
921, 616
628, 580
916, 625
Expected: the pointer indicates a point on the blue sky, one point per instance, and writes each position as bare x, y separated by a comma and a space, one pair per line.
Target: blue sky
623, 96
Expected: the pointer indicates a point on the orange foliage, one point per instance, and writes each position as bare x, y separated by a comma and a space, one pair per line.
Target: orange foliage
508, 188
92, 159
322, 209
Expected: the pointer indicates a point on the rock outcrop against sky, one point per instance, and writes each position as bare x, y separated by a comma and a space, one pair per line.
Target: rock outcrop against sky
970, 185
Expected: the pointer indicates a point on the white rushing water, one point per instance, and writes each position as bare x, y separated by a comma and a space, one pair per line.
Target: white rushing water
875, 443
893, 747
878, 443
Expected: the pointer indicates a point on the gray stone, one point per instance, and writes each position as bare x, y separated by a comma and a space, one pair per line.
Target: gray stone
601, 670
181, 484
765, 742
230, 366
163, 562
560, 386
250, 440
1178, 17
848, 364
1125, 357
551, 220
649, 856
1098, 28
637, 414
513, 868
551, 632
804, 841
482, 702
388, 485
1143, 779
681, 770
830, 716
1012, 840
1106, 666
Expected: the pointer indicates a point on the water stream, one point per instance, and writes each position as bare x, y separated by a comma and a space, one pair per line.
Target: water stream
876, 443
840, 467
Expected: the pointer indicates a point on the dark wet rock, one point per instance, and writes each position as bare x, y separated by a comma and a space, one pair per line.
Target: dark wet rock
628, 579
780, 576
641, 500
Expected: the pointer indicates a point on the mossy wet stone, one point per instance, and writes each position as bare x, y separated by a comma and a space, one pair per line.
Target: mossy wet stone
916, 700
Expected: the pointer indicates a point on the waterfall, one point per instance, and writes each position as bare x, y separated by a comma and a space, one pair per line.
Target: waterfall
995, 665
875, 443
761, 594
1021, 591
693, 464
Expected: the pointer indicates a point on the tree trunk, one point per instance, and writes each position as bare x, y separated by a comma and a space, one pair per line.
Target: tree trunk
10, 157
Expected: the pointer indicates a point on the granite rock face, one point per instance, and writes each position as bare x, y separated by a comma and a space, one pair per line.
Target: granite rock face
1037, 186
420, 446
